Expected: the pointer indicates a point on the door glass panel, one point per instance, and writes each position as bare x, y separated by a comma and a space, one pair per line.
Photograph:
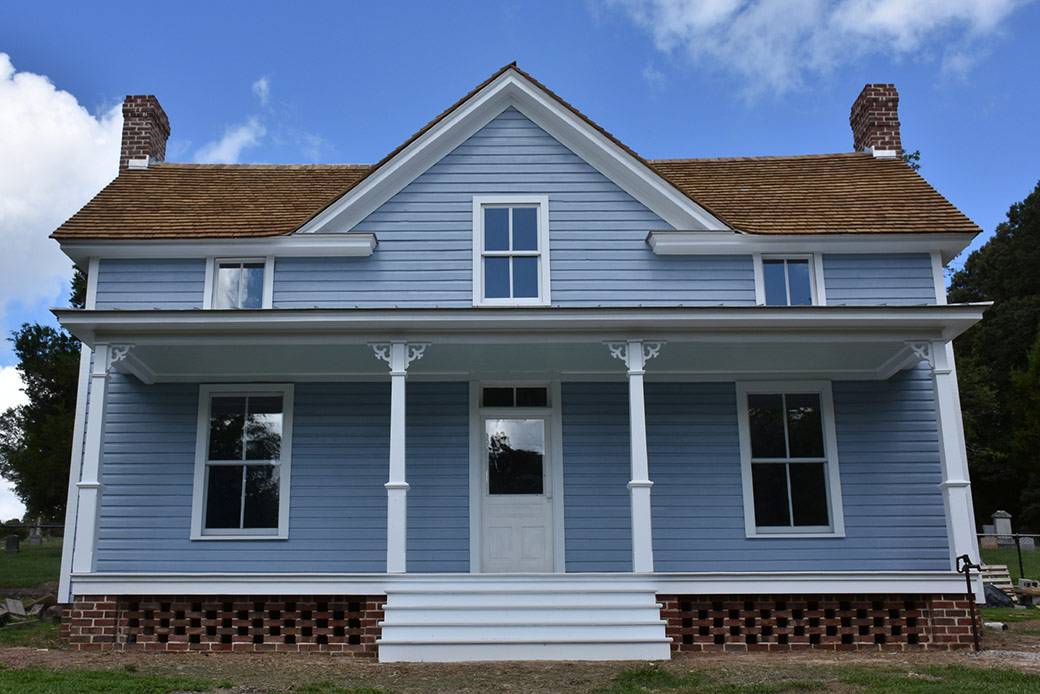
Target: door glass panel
516, 454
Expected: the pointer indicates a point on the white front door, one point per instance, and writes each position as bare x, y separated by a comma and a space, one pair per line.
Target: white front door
516, 495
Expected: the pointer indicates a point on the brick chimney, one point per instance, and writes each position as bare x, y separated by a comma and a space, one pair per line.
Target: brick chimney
145, 130
875, 119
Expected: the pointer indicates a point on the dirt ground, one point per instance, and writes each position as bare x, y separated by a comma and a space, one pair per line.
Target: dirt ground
285, 672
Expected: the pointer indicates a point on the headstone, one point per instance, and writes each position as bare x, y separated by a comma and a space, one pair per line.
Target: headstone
989, 529
1002, 526
12, 543
35, 535
1027, 543
988, 542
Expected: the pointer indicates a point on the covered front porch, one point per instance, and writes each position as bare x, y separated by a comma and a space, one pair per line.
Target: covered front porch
583, 388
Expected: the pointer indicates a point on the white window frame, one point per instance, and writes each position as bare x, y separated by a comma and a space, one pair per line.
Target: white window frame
542, 203
816, 285
830, 445
210, 284
199, 487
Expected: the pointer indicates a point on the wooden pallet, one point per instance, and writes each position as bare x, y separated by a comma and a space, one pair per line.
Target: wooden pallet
998, 576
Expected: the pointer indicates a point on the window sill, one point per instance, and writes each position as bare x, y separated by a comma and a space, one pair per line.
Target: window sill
509, 303
240, 537
784, 535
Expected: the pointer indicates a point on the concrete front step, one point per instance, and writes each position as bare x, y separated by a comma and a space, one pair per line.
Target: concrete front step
471, 651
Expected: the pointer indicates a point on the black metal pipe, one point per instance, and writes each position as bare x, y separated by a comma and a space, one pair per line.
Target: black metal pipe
965, 565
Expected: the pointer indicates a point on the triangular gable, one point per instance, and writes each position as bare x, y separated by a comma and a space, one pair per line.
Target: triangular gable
511, 87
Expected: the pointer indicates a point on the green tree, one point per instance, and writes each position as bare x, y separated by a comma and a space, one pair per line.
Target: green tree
36, 438
1025, 440
1003, 271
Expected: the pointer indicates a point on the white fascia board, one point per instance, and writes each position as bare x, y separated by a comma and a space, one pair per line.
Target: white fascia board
520, 325
739, 243
323, 245
757, 583
511, 89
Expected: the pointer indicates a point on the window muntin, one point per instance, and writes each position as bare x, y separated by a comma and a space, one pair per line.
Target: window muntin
242, 469
238, 284
788, 464
516, 456
510, 250
787, 281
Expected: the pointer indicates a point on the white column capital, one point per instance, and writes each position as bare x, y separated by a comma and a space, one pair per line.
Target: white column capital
399, 355
635, 353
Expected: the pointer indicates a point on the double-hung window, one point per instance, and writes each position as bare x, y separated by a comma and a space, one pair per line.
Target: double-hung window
787, 281
242, 462
789, 462
511, 250
240, 283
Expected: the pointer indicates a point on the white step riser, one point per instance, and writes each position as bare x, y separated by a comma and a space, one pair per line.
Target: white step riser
455, 653
507, 600
520, 632
535, 615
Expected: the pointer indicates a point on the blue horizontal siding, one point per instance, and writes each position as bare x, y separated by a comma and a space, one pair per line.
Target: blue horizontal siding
134, 283
871, 279
438, 476
597, 519
890, 471
337, 501
598, 251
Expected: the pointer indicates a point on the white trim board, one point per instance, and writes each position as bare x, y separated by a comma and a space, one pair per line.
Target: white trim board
669, 242
317, 245
708, 583
511, 89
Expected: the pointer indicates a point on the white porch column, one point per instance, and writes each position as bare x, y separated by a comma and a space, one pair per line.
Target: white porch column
398, 355
635, 354
956, 483
88, 488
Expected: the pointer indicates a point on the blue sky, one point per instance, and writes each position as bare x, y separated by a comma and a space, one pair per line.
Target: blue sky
346, 82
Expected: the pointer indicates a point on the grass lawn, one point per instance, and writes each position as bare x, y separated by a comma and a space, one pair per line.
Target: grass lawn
34, 565
33, 681
1009, 556
32, 635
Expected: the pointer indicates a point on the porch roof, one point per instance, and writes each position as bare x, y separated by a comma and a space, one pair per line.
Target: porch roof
839, 342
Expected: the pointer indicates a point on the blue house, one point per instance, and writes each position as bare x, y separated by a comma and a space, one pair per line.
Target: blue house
516, 392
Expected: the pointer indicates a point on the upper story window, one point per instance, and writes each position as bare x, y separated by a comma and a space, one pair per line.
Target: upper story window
787, 280
240, 283
242, 465
789, 460
511, 250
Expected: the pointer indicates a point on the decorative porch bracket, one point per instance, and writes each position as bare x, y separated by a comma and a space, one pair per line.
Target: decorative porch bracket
956, 484
88, 488
399, 356
635, 354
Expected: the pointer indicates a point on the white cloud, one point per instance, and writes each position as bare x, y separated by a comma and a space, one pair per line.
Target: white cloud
228, 148
54, 156
262, 90
11, 395
654, 77
774, 44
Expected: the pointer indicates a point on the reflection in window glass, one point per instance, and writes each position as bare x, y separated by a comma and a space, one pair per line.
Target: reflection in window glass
788, 461
516, 453
511, 255
242, 479
238, 285
787, 281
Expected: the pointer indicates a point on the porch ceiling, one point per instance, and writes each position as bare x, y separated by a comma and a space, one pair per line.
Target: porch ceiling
719, 343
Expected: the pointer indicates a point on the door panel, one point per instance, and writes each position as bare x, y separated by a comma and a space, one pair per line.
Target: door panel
516, 508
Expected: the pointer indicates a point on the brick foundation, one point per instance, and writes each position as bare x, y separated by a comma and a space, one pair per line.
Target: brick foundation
832, 622
346, 624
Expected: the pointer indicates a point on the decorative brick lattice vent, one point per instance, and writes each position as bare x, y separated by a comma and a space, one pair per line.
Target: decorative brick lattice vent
340, 624
834, 622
